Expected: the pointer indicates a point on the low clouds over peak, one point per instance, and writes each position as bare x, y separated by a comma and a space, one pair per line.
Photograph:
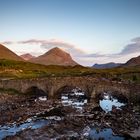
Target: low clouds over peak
37, 47
49, 44
131, 48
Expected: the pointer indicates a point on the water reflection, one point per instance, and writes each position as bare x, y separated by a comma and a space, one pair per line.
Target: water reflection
41, 98
11, 130
75, 98
108, 102
105, 134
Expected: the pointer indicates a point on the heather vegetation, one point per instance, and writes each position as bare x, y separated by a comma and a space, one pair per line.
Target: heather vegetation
20, 69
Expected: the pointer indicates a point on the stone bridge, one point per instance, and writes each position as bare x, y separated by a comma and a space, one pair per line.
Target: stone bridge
90, 85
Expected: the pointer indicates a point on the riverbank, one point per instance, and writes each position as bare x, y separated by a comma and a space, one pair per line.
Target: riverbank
67, 122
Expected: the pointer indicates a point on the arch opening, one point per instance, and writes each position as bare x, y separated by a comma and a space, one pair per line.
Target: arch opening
36, 92
72, 96
112, 101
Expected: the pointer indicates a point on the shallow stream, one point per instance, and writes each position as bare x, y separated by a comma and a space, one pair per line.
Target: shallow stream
12, 129
78, 100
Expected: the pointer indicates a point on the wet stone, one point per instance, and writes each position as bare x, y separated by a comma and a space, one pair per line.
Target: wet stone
70, 117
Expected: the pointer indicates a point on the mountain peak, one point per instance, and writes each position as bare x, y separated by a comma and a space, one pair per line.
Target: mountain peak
56, 50
55, 56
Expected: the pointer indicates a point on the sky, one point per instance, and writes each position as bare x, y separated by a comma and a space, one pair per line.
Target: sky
92, 31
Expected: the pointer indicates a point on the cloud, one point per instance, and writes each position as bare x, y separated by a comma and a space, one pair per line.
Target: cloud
7, 43
49, 44
32, 41
38, 47
131, 48
95, 55
137, 39
129, 51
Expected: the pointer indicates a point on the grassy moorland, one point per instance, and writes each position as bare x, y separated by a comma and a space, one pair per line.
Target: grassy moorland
16, 69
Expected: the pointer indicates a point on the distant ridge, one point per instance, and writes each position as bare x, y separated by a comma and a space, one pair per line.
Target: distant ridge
55, 56
5, 53
106, 65
27, 56
130, 63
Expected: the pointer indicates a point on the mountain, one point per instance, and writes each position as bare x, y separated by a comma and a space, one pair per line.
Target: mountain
27, 56
55, 56
133, 62
106, 66
5, 53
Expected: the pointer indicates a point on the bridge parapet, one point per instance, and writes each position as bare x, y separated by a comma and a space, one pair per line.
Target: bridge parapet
90, 85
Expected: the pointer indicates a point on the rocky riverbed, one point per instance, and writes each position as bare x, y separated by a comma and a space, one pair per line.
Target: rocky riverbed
70, 117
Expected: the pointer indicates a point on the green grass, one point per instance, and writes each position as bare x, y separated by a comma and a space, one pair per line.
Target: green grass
9, 91
17, 69
12, 91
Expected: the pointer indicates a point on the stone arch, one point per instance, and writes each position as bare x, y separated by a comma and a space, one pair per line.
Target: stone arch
67, 89
35, 91
114, 91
